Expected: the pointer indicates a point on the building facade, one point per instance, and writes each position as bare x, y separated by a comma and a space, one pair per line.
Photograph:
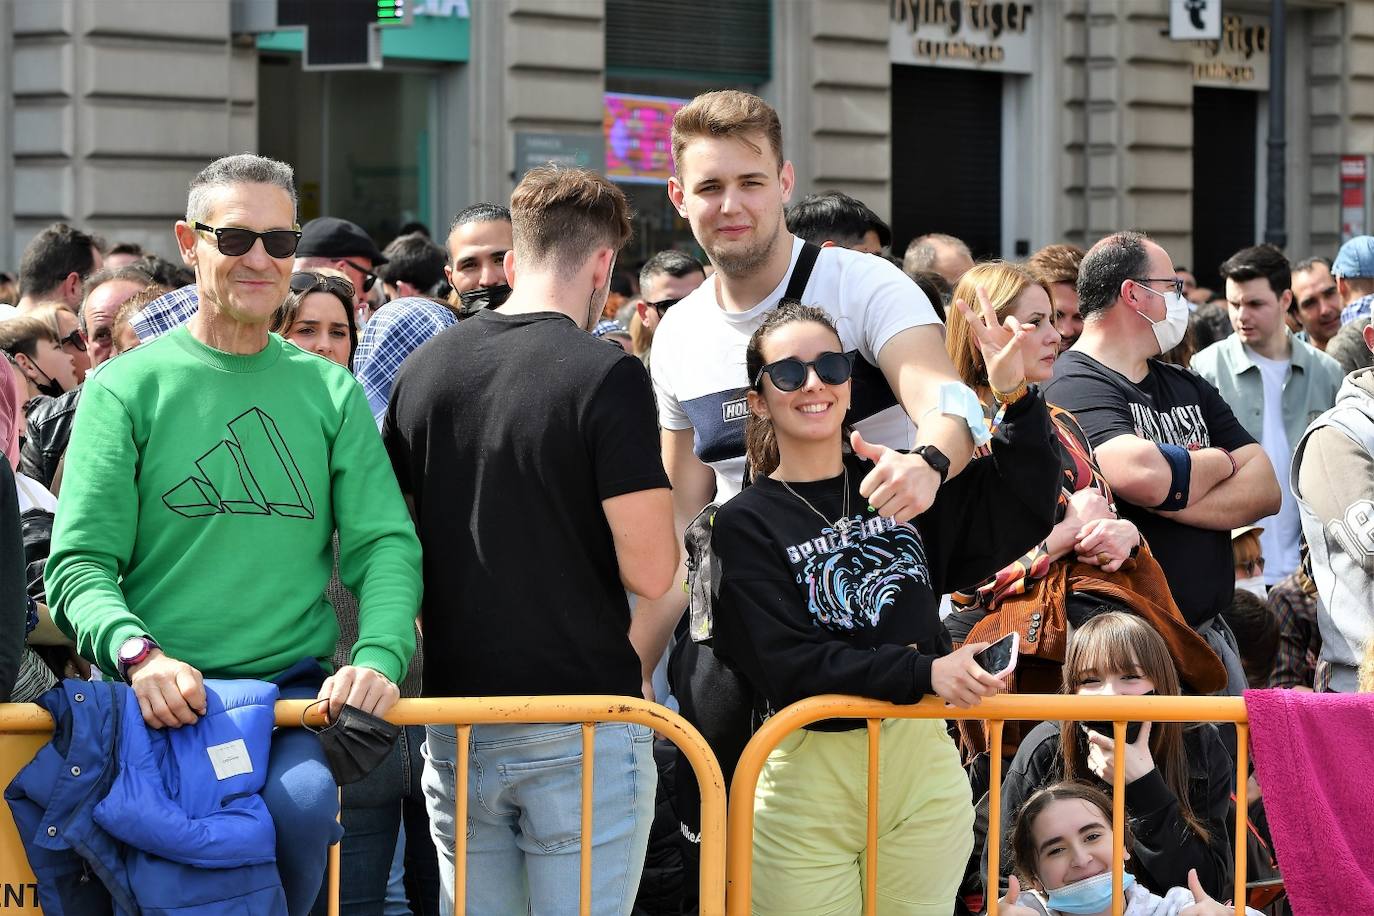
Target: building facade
1011, 123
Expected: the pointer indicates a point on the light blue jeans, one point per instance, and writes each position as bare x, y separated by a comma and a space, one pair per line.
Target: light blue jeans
525, 816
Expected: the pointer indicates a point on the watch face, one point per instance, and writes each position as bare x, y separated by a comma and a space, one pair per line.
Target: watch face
132, 649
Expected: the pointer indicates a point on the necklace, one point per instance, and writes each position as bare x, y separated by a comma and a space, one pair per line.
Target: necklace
843, 523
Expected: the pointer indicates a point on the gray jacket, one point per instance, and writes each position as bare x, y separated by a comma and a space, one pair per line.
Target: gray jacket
1333, 479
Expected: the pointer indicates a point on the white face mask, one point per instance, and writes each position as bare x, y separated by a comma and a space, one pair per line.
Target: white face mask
1169, 332
1254, 585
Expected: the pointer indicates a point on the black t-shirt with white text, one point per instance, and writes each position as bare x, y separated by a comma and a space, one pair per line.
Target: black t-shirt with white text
509, 431
1170, 406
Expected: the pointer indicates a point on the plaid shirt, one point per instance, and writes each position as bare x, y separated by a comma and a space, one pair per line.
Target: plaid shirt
1300, 641
165, 313
1360, 308
392, 334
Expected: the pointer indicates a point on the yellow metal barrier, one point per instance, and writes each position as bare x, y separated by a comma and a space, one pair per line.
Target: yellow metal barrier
996, 710
24, 728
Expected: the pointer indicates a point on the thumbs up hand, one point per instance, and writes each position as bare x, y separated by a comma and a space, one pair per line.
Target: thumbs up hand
1008, 906
1202, 905
900, 486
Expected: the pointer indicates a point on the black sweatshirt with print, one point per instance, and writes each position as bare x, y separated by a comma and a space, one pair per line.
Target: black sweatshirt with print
806, 608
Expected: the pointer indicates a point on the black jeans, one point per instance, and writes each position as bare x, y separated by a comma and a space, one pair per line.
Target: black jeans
374, 810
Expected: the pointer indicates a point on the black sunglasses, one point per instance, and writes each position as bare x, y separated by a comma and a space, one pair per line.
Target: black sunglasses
663, 305
307, 281
790, 374
74, 339
233, 242
369, 278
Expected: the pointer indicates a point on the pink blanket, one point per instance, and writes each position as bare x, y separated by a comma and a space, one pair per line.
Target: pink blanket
1314, 757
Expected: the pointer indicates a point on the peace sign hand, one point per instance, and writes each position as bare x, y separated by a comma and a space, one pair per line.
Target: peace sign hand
1000, 343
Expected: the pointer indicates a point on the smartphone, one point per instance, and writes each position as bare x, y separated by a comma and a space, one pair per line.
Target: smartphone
1260, 894
1000, 657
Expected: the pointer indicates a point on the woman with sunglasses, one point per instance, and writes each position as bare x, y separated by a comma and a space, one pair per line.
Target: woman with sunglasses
820, 594
318, 315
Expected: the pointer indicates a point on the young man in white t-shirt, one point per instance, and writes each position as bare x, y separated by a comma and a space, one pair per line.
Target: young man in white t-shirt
1274, 383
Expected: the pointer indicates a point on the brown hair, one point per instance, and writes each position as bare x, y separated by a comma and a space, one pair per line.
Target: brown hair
559, 216
1056, 263
1004, 283
1245, 548
760, 441
327, 280
131, 307
1366, 675
1024, 855
1122, 642
726, 113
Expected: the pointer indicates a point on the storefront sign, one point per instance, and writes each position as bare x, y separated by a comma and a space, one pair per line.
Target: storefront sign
458, 9
1238, 60
1194, 20
536, 148
639, 145
1354, 196
972, 34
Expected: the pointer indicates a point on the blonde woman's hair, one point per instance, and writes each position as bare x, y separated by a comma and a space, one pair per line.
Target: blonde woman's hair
1004, 283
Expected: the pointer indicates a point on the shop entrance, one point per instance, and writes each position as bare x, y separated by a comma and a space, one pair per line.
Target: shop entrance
1225, 138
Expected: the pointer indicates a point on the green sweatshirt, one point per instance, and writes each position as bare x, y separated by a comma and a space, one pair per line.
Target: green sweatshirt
199, 497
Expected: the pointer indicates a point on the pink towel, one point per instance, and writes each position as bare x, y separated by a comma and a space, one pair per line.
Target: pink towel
1314, 757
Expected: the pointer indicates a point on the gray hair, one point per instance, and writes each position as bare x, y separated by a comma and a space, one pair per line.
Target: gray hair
245, 168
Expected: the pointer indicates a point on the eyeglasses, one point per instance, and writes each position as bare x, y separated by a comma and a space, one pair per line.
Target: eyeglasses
233, 242
790, 374
369, 278
74, 339
1254, 567
663, 305
307, 281
1175, 282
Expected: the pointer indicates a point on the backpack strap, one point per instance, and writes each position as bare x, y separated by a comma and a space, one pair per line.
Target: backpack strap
801, 274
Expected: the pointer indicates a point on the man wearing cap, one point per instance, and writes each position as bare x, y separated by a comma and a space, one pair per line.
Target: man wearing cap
1354, 273
329, 241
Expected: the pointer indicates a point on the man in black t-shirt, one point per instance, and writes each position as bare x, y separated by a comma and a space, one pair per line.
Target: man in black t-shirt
530, 452
1179, 463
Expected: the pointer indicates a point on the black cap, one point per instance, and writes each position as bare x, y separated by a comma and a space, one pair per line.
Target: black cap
331, 237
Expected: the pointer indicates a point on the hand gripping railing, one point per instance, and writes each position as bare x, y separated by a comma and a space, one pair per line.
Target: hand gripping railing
996, 711
21, 722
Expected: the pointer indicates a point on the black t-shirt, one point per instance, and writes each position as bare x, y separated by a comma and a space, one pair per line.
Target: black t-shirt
806, 610
508, 431
1169, 406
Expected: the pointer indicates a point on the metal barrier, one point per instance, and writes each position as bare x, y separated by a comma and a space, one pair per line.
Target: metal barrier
24, 728
996, 710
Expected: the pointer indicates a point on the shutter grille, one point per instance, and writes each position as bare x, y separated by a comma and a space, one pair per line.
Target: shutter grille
947, 156
728, 39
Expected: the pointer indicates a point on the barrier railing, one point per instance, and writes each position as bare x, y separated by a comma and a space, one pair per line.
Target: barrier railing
996, 710
25, 727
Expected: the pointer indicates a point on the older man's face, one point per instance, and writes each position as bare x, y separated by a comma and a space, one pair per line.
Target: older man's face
99, 311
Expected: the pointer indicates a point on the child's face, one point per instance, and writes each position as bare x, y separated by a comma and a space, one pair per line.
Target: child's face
1073, 841
1131, 683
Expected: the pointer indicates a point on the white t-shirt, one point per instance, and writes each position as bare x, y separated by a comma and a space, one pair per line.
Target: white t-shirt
33, 495
1279, 540
698, 368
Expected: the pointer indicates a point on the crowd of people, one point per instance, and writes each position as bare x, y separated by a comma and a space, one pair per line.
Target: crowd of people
492, 472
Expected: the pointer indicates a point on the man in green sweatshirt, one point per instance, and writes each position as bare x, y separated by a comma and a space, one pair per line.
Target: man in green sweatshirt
206, 474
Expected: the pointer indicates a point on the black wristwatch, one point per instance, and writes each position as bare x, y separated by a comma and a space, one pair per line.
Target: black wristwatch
935, 458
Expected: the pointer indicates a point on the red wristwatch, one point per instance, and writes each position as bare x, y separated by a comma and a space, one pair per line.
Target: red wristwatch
133, 651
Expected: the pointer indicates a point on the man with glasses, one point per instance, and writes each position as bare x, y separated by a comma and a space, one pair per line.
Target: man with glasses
664, 280
345, 246
1179, 463
206, 475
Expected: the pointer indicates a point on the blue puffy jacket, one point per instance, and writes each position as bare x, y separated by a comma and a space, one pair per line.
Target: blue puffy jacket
153, 822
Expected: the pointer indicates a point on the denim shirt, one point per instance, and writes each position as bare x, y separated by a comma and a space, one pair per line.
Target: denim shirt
1311, 386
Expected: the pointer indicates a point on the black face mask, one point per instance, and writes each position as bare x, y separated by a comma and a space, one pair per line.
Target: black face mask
1105, 728
52, 388
484, 297
355, 744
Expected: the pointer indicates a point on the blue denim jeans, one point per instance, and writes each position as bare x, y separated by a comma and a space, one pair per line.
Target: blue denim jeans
525, 816
374, 808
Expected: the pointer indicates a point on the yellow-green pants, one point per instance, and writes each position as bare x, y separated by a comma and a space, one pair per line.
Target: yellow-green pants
810, 834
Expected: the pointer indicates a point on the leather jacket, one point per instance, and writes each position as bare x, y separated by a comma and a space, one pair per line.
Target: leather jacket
46, 434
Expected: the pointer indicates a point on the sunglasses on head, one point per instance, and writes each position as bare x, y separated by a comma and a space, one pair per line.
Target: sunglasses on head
369, 278
790, 374
307, 281
233, 242
662, 305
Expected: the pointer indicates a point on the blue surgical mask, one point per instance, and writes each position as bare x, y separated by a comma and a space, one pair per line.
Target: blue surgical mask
1089, 896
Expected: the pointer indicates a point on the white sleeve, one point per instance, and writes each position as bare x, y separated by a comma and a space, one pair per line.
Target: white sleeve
890, 301
670, 412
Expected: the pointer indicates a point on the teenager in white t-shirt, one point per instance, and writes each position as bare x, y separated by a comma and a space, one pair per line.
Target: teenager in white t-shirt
731, 184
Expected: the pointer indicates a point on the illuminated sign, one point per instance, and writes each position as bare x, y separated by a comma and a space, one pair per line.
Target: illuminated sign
639, 145
971, 34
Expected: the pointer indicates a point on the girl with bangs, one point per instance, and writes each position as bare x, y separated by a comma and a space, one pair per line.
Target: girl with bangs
1179, 779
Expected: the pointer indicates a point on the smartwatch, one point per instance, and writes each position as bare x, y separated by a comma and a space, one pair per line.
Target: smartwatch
935, 458
134, 651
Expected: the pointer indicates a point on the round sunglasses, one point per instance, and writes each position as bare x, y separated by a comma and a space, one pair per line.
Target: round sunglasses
234, 242
790, 374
